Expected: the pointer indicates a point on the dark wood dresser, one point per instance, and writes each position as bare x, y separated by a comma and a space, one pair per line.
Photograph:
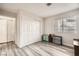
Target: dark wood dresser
76, 47
55, 39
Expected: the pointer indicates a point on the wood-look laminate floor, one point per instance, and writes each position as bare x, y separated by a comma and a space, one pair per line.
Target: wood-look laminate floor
35, 49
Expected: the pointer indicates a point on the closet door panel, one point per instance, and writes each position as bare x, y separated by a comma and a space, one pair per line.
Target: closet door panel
3, 31
11, 30
34, 31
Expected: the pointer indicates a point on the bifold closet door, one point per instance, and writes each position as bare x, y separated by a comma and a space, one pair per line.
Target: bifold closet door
11, 30
34, 31
35, 28
3, 31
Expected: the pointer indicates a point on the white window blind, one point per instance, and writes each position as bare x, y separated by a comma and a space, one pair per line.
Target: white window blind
67, 24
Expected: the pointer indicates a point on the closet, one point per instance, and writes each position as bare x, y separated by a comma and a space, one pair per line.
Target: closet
7, 29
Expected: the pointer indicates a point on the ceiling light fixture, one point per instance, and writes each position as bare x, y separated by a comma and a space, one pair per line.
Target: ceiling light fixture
49, 4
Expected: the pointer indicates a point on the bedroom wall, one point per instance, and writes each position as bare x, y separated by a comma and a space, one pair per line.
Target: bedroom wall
67, 37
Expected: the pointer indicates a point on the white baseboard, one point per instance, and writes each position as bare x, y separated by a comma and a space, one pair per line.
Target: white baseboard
27, 43
68, 44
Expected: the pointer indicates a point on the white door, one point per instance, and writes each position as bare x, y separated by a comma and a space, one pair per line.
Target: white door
34, 31
11, 30
3, 31
30, 32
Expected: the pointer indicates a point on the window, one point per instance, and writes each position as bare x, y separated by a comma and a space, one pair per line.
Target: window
67, 25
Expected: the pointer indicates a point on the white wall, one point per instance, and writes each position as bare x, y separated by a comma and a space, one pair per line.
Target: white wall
67, 37
24, 23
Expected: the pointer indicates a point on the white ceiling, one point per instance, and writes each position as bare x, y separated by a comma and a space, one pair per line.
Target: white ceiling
40, 9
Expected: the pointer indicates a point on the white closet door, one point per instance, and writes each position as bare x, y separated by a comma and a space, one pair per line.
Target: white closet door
30, 32
34, 31
11, 30
3, 31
